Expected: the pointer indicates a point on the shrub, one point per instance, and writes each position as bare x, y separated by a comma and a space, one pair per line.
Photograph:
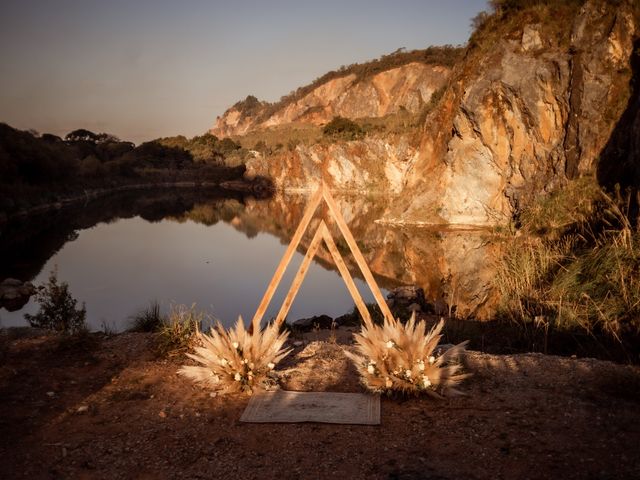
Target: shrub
585, 275
149, 319
236, 360
179, 331
401, 358
57, 308
343, 128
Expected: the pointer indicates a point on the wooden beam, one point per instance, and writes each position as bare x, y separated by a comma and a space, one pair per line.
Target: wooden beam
302, 271
346, 276
286, 258
355, 250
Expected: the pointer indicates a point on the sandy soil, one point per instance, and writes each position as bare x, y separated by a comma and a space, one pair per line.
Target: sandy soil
109, 408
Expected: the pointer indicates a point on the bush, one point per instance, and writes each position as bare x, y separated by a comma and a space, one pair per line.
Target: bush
58, 310
177, 333
149, 319
343, 128
584, 274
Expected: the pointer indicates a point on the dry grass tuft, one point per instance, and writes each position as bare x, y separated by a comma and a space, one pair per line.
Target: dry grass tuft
179, 331
398, 357
235, 360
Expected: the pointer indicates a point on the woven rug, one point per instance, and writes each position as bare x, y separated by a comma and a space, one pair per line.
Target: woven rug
323, 407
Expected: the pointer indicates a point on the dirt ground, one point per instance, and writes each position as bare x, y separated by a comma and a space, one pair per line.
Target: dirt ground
108, 408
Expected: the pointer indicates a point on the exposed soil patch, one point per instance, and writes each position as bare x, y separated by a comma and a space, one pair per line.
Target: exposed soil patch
109, 408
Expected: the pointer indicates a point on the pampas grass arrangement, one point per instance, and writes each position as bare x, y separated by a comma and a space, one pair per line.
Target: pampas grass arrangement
235, 360
400, 358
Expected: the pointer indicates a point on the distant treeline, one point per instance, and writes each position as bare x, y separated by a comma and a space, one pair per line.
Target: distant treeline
33, 166
446, 55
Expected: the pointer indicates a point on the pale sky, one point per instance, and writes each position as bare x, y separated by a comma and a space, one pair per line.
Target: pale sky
145, 69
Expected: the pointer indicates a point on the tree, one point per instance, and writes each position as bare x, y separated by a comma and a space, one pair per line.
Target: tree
82, 135
57, 308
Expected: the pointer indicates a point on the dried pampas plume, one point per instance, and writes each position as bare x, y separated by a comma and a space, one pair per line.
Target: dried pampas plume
236, 360
397, 357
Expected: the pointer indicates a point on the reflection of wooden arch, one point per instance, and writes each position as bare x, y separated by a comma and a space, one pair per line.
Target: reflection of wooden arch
322, 233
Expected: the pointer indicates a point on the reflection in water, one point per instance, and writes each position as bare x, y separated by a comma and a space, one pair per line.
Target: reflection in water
455, 266
174, 246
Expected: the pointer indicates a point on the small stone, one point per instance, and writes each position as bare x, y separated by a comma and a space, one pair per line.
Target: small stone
213, 394
82, 409
12, 282
531, 38
162, 414
298, 343
51, 394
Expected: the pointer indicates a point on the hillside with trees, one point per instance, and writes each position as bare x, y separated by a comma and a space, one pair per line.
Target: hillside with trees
37, 169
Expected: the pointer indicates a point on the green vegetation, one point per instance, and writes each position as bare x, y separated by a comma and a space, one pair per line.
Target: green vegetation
177, 333
275, 139
343, 128
507, 17
36, 169
58, 310
577, 265
446, 55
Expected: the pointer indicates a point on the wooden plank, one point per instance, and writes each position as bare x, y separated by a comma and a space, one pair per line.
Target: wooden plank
286, 258
346, 276
357, 254
302, 272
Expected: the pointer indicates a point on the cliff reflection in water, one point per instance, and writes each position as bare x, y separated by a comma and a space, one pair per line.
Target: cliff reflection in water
456, 266
186, 246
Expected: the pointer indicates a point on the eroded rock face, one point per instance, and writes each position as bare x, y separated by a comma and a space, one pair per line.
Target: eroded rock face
373, 164
520, 117
534, 115
409, 86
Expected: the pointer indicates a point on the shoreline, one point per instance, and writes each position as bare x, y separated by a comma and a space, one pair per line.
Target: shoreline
111, 408
238, 186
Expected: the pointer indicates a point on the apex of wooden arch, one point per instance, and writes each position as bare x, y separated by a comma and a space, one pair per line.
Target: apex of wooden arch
321, 234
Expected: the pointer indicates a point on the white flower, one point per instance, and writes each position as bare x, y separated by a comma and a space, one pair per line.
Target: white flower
407, 373
235, 345
271, 365
237, 377
390, 344
421, 366
388, 382
432, 359
245, 361
426, 382
371, 369
224, 362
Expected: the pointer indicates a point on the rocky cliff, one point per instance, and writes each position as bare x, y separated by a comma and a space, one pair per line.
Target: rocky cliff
543, 94
407, 87
525, 112
374, 164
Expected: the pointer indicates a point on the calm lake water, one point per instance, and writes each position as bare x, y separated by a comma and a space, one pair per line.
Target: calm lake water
118, 254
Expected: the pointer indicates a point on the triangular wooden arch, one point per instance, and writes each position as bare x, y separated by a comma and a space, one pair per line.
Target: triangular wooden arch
322, 233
